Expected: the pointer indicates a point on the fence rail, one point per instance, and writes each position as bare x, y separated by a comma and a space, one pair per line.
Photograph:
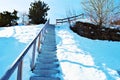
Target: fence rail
19, 61
69, 19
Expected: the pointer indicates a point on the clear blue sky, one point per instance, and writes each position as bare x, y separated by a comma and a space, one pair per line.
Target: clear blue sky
58, 8
10, 5
23, 5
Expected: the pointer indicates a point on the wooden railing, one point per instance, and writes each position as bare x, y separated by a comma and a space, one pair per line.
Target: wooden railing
69, 19
19, 61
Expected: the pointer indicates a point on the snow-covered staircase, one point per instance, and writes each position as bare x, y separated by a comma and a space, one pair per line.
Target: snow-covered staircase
47, 65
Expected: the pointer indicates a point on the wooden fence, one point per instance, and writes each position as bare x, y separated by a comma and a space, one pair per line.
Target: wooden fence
69, 19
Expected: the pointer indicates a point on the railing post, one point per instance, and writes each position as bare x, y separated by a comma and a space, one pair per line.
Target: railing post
19, 73
38, 48
33, 56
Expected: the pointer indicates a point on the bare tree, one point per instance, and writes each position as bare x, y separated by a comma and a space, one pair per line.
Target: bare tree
71, 13
100, 11
24, 18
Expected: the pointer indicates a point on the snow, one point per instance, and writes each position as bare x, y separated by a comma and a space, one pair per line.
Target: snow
13, 41
80, 58
85, 59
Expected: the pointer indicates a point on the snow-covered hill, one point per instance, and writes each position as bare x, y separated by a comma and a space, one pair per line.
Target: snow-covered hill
80, 58
85, 59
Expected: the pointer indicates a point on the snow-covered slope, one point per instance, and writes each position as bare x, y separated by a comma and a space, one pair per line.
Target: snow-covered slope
80, 58
13, 41
85, 59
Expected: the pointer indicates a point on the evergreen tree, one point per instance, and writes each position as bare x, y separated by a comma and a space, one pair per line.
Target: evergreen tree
14, 18
8, 18
38, 12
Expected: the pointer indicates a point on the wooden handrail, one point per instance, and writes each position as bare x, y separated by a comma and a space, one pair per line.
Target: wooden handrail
69, 19
19, 61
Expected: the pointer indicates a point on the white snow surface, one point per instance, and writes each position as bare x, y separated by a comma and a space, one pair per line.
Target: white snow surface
76, 57
80, 58
13, 40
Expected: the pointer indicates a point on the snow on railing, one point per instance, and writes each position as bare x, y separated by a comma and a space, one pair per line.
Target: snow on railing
19, 61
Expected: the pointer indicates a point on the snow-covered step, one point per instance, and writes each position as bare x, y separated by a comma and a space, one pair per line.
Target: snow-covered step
44, 78
47, 52
50, 34
49, 47
47, 56
53, 38
48, 65
47, 61
55, 67
49, 43
46, 73
50, 59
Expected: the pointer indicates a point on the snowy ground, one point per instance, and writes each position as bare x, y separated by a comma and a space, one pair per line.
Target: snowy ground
80, 58
13, 40
85, 59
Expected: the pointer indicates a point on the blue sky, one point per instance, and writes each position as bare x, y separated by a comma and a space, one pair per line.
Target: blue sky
10, 5
58, 8
23, 5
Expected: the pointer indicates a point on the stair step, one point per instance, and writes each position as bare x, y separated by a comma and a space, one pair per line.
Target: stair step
47, 56
49, 46
46, 66
46, 73
47, 60
48, 52
48, 49
44, 78
53, 41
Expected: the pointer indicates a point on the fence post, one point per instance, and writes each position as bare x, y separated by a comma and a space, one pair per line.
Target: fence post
33, 56
56, 21
19, 72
